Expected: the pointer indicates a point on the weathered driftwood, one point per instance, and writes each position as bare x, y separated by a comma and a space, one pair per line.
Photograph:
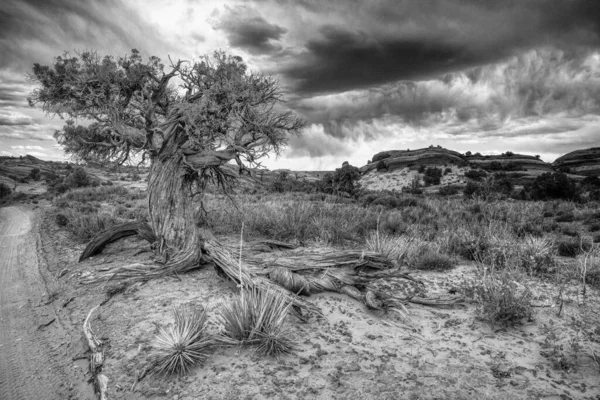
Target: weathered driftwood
99, 242
96, 358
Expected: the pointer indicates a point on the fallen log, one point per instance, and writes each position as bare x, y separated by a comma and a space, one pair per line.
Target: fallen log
99, 242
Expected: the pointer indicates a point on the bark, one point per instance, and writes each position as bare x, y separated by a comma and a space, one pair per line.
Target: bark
175, 212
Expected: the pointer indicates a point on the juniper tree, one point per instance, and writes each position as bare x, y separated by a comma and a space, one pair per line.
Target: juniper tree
190, 120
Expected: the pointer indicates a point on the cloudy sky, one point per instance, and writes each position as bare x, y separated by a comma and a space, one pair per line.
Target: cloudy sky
478, 75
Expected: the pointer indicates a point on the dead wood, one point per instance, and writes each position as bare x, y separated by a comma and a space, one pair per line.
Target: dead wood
293, 273
99, 242
96, 358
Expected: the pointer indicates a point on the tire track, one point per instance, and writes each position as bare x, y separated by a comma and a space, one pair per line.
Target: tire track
27, 369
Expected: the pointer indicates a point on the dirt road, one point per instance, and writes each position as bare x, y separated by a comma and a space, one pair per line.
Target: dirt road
29, 359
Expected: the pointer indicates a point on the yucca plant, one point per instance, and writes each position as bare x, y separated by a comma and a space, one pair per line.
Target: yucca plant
184, 344
256, 317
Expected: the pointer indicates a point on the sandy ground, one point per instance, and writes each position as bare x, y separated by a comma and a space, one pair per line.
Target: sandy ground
35, 339
350, 353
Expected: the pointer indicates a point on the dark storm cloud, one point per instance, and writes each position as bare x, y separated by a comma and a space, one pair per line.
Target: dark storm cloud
536, 84
375, 42
34, 31
342, 60
246, 29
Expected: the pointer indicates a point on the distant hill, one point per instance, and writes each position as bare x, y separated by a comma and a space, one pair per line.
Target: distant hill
580, 162
395, 169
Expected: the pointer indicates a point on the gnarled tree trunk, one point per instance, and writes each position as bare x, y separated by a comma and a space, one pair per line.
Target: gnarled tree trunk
176, 215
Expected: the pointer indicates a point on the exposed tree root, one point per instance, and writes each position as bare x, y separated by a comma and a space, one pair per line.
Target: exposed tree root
98, 243
291, 273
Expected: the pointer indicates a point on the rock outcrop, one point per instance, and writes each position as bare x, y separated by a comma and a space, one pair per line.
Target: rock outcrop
399, 159
580, 162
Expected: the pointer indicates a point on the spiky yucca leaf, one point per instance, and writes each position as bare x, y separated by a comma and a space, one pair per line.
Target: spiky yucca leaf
257, 317
184, 344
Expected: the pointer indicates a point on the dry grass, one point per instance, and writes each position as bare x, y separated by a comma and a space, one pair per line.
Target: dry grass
183, 344
257, 317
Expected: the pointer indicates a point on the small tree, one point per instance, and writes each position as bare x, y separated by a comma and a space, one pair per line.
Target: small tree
343, 180
35, 174
219, 113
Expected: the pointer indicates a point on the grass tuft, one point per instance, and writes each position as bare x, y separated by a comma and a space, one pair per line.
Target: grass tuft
433, 261
257, 317
184, 344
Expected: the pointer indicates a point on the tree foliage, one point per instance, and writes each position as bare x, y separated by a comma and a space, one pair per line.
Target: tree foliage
554, 186
343, 180
218, 112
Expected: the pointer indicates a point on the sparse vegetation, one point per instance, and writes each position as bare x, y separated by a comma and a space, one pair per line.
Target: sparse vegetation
257, 318
184, 344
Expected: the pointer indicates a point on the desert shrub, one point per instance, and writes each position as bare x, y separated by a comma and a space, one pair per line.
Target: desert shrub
565, 217
257, 317
421, 169
476, 174
590, 182
500, 297
184, 344
536, 255
447, 170
61, 220
35, 174
449, 190
431, 260
78, 178
472, 189
102, 194
466, 243
343, 180
85, 226
569, 231
432, 176
572, 247
386, 201
393, 224
554, 186
5, 190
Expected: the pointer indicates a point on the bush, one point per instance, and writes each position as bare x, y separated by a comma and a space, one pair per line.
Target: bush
35, 174
449, 190
472, 189
5, 190
566, 216
554, 186
432, 176
447, 171
61, 220
594, 228
78, 179
572, 248
86, 226
501, 299
431, 260
343, 180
